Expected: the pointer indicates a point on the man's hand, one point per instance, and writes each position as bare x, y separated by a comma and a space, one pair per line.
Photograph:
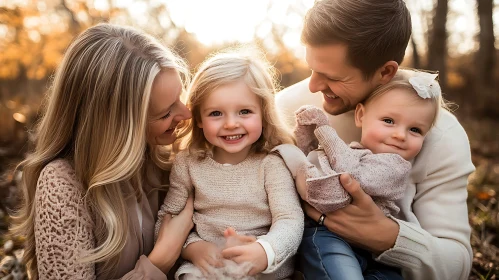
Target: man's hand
204, 255
252, 253
361, 223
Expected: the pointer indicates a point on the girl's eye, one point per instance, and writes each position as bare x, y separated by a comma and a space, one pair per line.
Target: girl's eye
166, 116
244, 112
388, 121
416, 130
215, 114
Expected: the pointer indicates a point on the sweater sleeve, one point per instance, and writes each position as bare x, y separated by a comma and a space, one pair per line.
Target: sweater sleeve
178, 192
440, 247
64, 229
380, 175
287, 216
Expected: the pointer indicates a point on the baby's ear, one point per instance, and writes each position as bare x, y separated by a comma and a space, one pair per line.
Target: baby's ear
359, 114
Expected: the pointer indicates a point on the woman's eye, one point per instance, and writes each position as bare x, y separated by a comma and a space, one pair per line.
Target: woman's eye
166, 116
388, 121
215, 114
245, 112
416, 130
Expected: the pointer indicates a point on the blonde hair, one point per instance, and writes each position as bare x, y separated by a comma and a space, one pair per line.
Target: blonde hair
246, 64
401, 80
96, 117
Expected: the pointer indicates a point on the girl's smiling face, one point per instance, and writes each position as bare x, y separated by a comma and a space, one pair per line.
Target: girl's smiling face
231, 119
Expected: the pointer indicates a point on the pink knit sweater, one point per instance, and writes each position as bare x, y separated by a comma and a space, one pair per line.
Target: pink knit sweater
382, 176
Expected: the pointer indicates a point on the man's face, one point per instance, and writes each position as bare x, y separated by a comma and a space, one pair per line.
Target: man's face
341, 84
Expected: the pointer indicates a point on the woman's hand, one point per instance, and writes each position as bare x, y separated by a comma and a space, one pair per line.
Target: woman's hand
361, 223
171, 237
252, 253
204, 255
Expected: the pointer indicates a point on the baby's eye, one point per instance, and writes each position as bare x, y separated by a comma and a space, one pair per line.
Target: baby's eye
245, 112
215, 114
388, 121
416, 130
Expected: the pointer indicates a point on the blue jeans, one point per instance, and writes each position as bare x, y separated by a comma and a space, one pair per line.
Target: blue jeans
325, 255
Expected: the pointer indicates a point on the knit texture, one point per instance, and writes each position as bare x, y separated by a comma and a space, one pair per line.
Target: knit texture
433, 207
64, 231
382, 176
256, 197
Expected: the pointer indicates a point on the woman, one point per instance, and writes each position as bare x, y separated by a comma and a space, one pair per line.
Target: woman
90, 184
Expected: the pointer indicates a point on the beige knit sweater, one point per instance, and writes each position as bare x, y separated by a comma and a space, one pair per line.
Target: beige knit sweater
255, 197
434, 237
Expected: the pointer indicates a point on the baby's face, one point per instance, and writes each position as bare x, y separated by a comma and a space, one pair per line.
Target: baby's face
395, 122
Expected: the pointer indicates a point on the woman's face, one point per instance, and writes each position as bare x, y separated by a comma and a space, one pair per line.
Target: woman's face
165, 108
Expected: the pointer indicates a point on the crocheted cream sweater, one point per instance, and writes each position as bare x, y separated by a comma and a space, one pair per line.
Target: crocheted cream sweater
64, 229
256, 197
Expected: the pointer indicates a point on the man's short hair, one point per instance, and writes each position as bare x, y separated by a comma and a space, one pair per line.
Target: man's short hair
374, 31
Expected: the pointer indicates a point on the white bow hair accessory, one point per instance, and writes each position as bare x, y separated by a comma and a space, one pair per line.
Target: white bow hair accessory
425, 85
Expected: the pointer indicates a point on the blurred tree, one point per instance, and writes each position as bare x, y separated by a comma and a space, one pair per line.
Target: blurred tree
437, 43
416, 60
485, 60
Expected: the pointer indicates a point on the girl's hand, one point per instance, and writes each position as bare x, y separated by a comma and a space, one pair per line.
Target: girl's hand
171, 237
204, 255
362, 222
252, 253
232, 238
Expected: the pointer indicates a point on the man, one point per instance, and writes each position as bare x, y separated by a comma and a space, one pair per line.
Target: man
352, 47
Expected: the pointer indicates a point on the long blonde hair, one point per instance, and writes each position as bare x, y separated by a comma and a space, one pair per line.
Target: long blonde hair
96, 118
243, 63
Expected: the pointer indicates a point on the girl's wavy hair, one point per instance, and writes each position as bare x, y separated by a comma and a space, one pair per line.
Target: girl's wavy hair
95, 116
243, 63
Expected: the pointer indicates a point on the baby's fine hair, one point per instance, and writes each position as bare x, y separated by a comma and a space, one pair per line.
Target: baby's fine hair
243, 63
401, 80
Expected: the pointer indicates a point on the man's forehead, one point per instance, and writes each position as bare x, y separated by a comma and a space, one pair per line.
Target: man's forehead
327, 59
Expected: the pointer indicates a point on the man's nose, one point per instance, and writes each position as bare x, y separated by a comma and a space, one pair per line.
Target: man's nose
316, 83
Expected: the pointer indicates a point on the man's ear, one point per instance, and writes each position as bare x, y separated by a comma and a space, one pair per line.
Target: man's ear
359, 114
387, 71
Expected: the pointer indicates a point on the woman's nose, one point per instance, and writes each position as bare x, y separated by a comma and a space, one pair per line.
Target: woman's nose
184, 113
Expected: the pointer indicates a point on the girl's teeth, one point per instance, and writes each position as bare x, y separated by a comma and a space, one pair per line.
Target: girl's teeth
233, 137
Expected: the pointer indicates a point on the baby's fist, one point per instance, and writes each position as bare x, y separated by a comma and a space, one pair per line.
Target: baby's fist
310, 115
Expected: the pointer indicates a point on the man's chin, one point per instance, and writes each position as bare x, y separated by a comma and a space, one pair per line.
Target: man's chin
335, 110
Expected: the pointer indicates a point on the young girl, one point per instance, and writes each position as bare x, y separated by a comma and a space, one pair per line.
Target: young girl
88, 210
394, 120
236, 180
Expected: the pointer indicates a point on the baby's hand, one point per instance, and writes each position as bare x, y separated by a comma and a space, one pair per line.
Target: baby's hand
311, 115
252, 253
204, 255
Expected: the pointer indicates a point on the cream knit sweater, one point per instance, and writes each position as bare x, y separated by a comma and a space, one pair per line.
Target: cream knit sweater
434, 236
255, 197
